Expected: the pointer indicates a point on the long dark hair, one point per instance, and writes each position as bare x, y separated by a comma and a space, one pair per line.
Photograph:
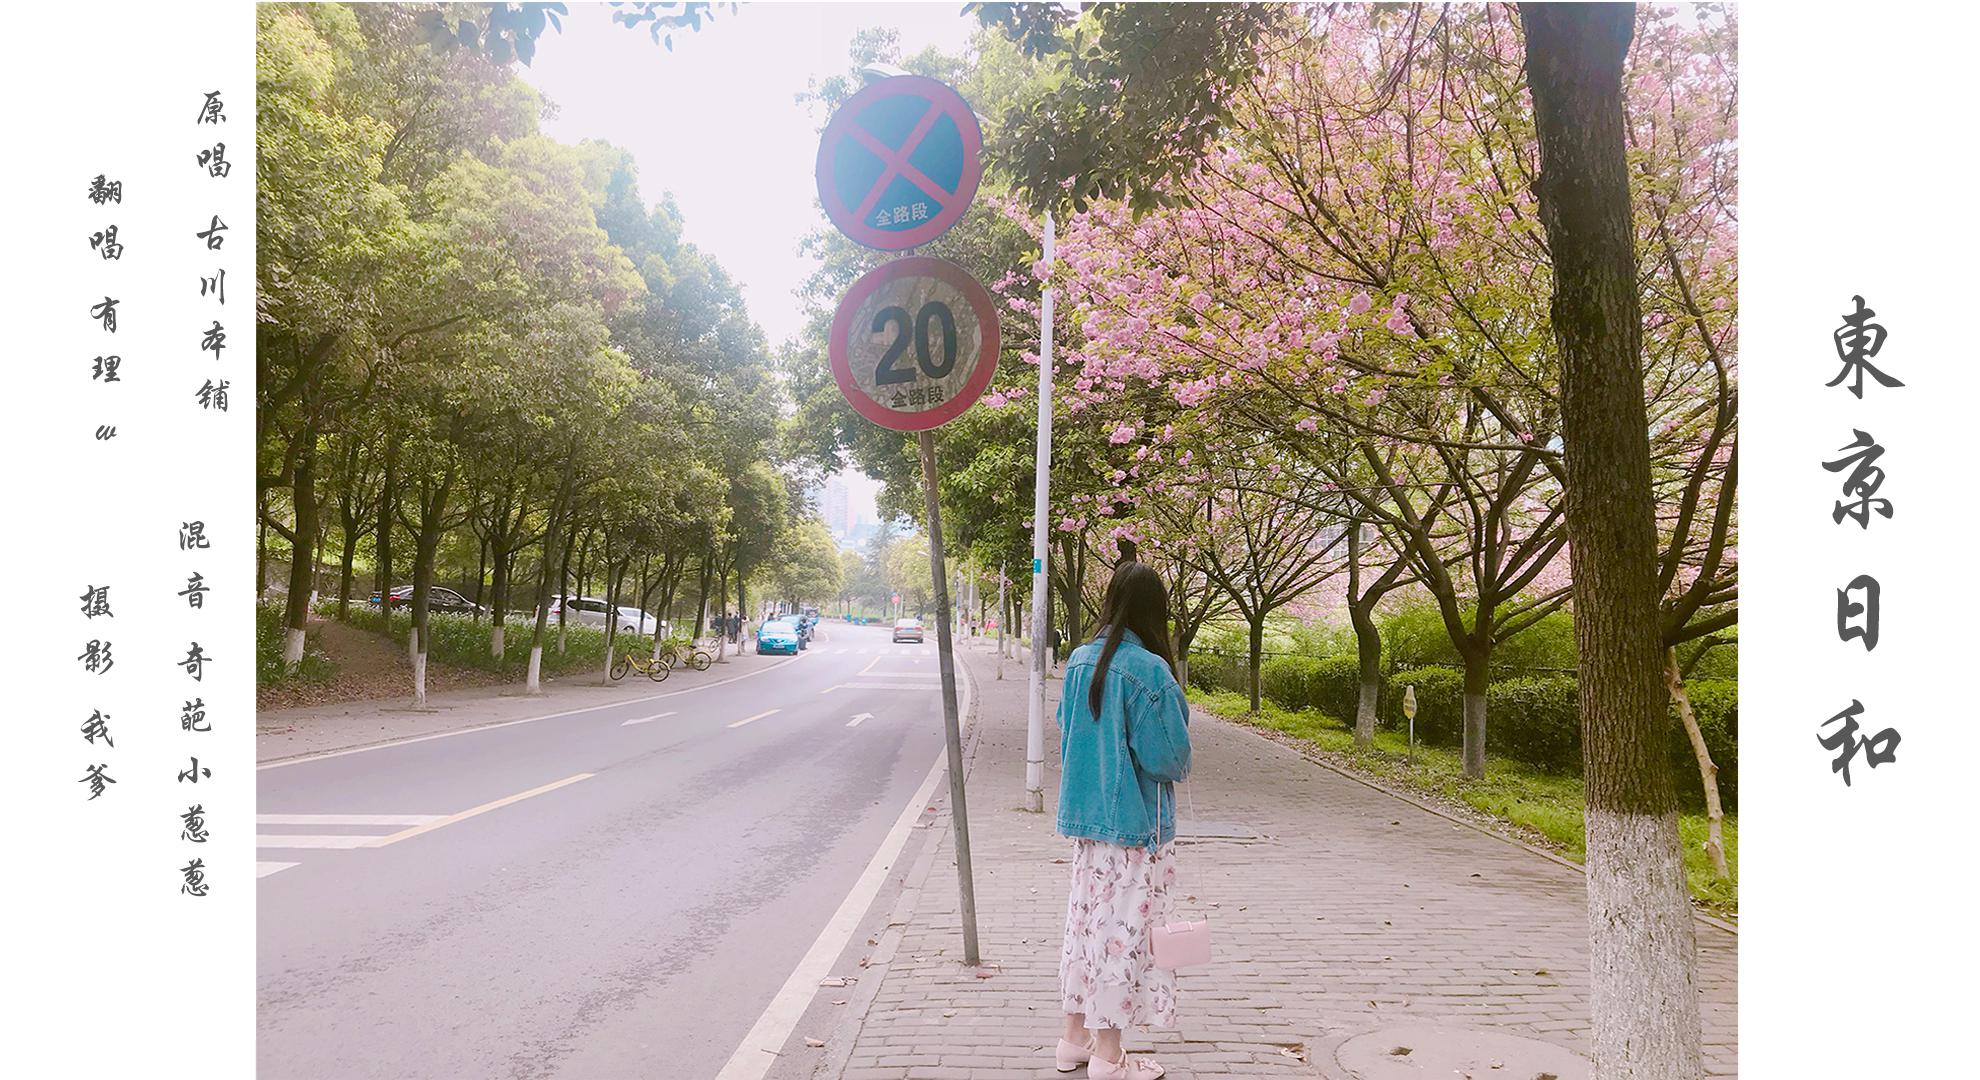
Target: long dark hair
1136, 600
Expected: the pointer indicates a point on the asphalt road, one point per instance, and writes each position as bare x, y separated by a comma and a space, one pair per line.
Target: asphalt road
618, 893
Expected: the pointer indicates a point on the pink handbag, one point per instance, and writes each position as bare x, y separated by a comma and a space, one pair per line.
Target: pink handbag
1180, 943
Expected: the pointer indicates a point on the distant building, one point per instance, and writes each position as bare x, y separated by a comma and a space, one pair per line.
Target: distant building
836, 505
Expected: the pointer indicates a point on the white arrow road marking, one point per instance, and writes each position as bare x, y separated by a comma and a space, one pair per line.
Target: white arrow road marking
854, 722
753, 719
646, 719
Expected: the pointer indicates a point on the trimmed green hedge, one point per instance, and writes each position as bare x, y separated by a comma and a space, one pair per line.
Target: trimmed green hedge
1535, 718
463, 642
1715, 702
1439, 704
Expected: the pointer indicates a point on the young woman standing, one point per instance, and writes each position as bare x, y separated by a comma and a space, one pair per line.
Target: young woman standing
1124, 741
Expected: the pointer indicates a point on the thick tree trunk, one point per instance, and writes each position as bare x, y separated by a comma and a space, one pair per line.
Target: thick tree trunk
1642, 938
260, 545
611, 609
1477, 678
480, 579
316, 561
302, 568
552, 562
701, 609
426, 549
563, 586
346, 566
498, 601
388, 502
1368, 648
1708, 773
1257, 658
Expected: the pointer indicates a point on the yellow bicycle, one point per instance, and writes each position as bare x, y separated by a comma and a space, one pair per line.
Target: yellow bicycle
682, 652
657, 670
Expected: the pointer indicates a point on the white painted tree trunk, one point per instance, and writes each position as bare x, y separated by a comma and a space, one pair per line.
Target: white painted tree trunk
419, 679
1364, 714
496, 642
533, 683
292, 649
1639, 910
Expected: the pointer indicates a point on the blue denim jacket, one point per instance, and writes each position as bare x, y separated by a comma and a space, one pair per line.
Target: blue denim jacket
1118, 773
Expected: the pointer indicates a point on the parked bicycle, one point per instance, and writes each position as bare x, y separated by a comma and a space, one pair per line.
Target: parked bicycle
657, 670
681, 651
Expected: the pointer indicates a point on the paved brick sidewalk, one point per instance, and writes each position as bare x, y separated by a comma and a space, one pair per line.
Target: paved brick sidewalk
1337, 909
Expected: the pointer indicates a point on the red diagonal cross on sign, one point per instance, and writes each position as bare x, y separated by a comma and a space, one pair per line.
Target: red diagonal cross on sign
862, 215
897, 161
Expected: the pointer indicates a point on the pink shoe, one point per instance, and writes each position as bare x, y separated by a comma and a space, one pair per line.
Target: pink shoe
1072, 1055
1128, 1068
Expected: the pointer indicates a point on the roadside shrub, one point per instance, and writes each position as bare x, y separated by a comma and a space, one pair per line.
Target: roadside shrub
1715, 702
459, 641
1214, 671
1535, 719
269, 633
1719, 662
1335, 687
1545, 648
1287, 680
1439, 704
1414, 636
1321, 640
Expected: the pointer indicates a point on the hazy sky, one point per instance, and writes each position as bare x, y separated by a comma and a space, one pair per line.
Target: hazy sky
717, 121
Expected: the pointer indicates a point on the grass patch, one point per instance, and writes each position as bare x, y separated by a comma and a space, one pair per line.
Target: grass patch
270, 632
1543, 804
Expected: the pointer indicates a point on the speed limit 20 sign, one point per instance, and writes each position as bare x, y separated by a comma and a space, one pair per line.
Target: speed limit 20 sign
914, 343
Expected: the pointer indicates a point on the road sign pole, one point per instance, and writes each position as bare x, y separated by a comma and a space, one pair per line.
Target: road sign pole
951, 718
1041, 510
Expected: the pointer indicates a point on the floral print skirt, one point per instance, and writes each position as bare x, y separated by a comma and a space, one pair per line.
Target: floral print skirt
1107, 967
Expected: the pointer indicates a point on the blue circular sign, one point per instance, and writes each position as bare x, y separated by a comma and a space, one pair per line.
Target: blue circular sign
900, 162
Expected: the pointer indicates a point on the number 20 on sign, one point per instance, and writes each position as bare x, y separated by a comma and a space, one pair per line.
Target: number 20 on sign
914, 343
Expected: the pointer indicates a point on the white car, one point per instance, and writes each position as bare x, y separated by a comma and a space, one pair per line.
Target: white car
591, 611
908, 630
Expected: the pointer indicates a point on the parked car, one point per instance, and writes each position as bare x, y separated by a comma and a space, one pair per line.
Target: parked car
591, 611
908, 630
438, 600
779, 636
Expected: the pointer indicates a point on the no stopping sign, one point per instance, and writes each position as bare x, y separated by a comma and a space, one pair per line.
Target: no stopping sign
899, 162
914, 343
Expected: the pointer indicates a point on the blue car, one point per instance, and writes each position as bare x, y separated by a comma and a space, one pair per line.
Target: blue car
779, 636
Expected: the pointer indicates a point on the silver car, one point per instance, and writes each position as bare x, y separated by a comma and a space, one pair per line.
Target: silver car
591, 611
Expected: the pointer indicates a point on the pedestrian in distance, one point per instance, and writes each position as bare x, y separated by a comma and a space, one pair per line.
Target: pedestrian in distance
1124, 742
